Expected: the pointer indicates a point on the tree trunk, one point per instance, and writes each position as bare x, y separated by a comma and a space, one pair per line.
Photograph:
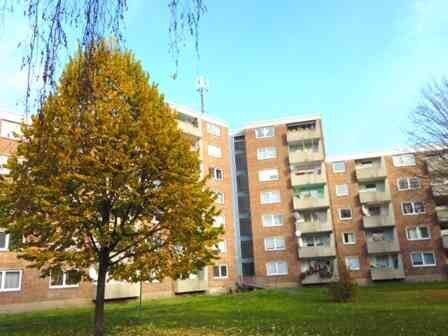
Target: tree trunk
99, 302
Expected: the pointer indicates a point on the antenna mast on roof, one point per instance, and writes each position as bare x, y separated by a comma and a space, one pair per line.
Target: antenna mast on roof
202, 88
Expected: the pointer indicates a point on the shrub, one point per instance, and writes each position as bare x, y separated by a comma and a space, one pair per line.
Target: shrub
345, 289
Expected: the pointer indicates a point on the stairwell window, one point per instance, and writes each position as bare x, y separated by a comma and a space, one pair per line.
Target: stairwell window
420, 232
274, 244
220, 271
274, 268
342, 190
267, 175
214, 151
423, 259
216, 173
408, 183
270, 197
345, 214
271, 220
412, 208
264, 132
10, 280
403, 160
265, 153
339, 167
4, 240
68, 279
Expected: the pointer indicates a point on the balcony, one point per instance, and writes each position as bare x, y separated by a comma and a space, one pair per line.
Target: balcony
445, 239
319, 278
119, 290
387, 273
382, 246
370, 222
302, 156
317, 251
311, 202
191, 285
374, 196
439, 189
442, 213
311, 178
303, 134
366, 174
311, 227
189, 128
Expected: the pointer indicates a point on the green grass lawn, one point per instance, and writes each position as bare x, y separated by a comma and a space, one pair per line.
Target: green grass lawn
381, 310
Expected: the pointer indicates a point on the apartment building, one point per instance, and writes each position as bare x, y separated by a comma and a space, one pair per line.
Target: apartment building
298, 211
22, 288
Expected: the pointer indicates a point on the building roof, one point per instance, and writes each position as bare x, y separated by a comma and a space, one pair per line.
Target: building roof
202, 116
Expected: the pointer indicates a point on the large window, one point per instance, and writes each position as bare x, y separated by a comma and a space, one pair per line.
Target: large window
268, 175
220, 271
339, 167
403, 160
420, 232
68, 279
265, 153
270, 196
352, 263
265, 132
274, 243
412, 208
270, 220
214, 151
408, 183
213, 129
276, 268
4, 240
10, 280
423, 259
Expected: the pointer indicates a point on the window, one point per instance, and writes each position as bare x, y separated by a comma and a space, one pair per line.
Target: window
69, 279
345, 213
408, 183
276, 268
269, 197
264, 132
349, 238
265, 153
219, 221
10, 130
274, 243
352, 263
423, 259
3, 162
339, 167
213, 129
412, 208
268, 175
403, 160
420, 232
214, 151
4, 240
216, 173
219, 197
341, 189
10, 280
222, 246
270, 220
220, 271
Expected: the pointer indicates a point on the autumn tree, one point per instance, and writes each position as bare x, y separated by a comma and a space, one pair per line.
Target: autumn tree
106, 178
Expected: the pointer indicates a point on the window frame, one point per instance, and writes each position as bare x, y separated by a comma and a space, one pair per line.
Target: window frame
344, 242
7, 241
211, 151
270, 191
408, 183
222, 219
272, 215
417, 227
413, 208
347, 265
260, 149
214, 175
398, 157
220, 195
3, 280
276, 262
220, 276
333, 165
211, 129
275, 239
271, 170
264, 136
346, 218
64, 284
422, 254
338, 194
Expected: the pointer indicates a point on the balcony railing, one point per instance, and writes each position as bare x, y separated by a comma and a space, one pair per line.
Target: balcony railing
365, 174
442, 213
303, 134
119, 290
191, 285
370, 222
302, 156
310, 227
387, 273
318, 177
374, 196
317, 278
439, 189
445, 240
311, 202
382, 246
189, 128
317, 251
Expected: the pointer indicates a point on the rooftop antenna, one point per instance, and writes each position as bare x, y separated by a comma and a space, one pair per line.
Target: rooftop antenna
202, 88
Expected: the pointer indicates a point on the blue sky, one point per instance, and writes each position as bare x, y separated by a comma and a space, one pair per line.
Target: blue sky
360, 64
